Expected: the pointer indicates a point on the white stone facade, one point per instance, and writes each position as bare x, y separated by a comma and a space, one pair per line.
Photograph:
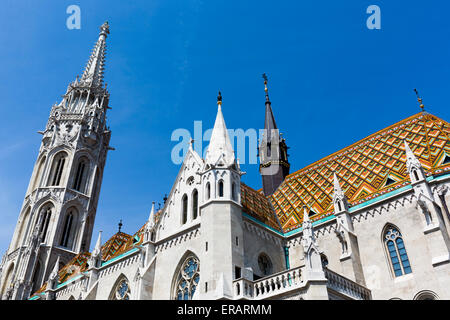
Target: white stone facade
203, 244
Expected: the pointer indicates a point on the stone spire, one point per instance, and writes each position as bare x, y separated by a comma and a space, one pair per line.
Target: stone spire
93, 73
220, 148
54, 275
339, 198
98, 246
413, 165
151, 219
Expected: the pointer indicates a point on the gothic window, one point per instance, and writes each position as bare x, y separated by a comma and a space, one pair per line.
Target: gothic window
221, 188
195, 204
38, 177
67, 228
264, 264
7, 282
184, 205
187, 279
80, 175
122, 290
208, 191
416, 176
324, 260
233, 191
46, 215
396, 251
57, 169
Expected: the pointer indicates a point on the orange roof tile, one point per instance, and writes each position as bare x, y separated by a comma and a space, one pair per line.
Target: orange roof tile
364, 168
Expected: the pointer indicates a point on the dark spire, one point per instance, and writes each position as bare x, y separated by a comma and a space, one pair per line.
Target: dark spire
274, 165
269, 123
120, 225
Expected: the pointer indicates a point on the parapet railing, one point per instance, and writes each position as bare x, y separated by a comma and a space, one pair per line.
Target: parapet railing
346, 287
270, 286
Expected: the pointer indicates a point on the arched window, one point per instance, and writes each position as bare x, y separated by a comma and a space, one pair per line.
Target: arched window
233, 191
416, 176
46, 216
187, 279
426, 295
195, 204
324, 260
121, 290
57, 169
7, 281
184, 204
67, 234
38, 176
208, 191
264, 264
23, 229
397, 252
79, 182
221, 188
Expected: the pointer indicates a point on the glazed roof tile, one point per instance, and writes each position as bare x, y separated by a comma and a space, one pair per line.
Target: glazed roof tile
367, 169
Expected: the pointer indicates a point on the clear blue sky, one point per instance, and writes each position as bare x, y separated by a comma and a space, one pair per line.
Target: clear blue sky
332, 82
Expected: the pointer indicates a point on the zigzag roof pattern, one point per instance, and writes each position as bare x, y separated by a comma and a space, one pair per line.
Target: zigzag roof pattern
366, 169
256, 205
118, 244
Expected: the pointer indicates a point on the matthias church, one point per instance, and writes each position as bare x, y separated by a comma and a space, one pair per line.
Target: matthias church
370, 221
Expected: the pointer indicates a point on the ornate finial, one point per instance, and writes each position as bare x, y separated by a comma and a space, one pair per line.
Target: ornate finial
219, 99
104, 29
265, 86
120, 225
165, 198
420, 100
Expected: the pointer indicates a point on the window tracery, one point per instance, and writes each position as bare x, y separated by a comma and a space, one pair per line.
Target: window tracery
187, 279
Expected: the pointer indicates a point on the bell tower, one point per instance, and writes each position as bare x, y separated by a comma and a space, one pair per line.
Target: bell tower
273, 157
58, 212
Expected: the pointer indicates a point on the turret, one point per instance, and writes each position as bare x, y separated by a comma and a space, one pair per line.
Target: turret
274, 165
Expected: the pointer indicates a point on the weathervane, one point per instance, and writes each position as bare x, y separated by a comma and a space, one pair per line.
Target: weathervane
265, 86
420, 100
219, 99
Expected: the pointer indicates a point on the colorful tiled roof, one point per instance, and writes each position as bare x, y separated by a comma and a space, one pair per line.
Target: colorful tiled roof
258, 206
118, 244
367, 169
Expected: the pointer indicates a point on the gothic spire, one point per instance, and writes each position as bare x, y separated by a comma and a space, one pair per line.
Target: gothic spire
93, 73
411, 159
54, 275
337, 187
98, 246
269, 123
151, 218
219, 144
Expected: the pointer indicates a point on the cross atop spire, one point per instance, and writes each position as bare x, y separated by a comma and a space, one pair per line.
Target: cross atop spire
93, 73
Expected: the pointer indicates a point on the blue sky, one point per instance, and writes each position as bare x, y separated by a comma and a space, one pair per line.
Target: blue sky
332, 81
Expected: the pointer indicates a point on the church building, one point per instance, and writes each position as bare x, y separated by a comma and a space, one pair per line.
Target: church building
370, 221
